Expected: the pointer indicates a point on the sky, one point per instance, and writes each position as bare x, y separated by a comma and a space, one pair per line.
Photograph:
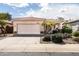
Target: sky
41, 10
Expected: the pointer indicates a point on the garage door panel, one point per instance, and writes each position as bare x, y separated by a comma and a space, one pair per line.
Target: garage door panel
28, 29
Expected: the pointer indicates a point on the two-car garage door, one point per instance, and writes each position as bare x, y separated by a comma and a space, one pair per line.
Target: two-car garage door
28, 29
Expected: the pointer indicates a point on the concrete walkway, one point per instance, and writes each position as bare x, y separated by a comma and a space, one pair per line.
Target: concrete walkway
32, 44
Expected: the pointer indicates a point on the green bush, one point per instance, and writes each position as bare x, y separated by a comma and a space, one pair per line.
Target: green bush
47, 38
66, 29
76, 39
76, 34
57, 38
66, 35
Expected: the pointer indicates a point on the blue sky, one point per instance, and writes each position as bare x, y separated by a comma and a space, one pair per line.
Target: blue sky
42, 10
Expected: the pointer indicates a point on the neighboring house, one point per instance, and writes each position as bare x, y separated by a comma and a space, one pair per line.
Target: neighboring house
74, 25
58, 24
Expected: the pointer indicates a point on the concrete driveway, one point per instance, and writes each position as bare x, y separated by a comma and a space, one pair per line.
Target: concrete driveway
32, 44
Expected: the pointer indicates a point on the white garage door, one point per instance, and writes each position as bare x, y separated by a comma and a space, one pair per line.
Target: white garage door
28, 29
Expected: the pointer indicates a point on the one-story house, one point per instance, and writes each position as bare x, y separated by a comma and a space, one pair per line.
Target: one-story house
27, 25
74, 25
31, 25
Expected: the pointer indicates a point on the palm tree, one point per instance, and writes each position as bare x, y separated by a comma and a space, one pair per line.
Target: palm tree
47, 24
3, 18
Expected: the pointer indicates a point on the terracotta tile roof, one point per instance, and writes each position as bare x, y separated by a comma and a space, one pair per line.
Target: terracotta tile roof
36, 19
28, 19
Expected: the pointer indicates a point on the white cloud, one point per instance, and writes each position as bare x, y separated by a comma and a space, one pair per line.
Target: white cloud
71, 12
18, 4
44, 5
67, 12
44, 12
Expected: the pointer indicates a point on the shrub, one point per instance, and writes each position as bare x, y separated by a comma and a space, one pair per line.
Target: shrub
76, 39
66, 30
47, 38
9, 29
57, 38
76, 34
55, 31
42, 32
66, 35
